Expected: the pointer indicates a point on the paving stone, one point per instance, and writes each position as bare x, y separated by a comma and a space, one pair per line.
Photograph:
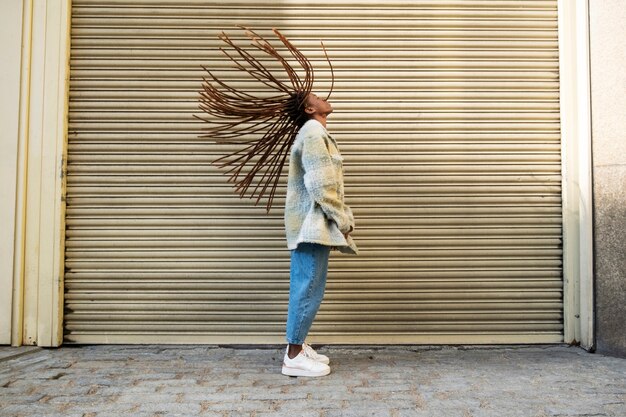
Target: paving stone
171, 407
303, 413
240, 406
137, 414
152, 397
359, 412
215, 397
284, 394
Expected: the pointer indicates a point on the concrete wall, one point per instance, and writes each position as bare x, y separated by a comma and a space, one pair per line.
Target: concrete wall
608, 119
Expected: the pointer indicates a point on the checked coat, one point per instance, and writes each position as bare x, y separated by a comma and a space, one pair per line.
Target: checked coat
315, 210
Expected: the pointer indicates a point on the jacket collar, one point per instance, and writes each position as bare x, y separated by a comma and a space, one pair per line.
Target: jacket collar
311, 122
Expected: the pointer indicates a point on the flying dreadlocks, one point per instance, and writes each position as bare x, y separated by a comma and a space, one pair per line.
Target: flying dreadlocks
275, 117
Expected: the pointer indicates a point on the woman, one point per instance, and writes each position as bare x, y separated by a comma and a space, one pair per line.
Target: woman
316, 220
288, 120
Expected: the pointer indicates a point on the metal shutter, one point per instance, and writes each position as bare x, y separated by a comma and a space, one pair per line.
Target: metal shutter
447, 113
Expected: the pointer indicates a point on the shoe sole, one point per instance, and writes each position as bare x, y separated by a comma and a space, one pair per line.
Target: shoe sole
303, 372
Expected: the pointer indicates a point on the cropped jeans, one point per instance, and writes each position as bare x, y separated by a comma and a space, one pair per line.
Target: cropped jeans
307, 282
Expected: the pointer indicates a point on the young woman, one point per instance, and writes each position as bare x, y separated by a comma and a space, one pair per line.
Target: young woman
288, 121
316, 220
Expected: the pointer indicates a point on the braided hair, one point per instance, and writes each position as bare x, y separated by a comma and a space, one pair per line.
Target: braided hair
274, 118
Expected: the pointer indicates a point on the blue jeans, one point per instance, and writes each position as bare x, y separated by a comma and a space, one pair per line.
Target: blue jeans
309, 266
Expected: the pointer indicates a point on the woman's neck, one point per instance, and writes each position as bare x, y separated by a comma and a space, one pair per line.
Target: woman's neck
320, 118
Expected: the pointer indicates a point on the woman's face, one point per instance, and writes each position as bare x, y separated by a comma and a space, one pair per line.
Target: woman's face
316, 105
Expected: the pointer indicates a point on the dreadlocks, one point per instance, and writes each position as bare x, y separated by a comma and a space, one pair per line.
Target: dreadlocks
277, 116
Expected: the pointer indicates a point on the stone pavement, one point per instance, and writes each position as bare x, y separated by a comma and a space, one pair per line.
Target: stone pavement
389, 381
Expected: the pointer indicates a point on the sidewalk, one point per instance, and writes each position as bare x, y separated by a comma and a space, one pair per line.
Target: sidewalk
389, 381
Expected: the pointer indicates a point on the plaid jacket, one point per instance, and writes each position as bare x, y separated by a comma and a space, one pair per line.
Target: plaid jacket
315, 211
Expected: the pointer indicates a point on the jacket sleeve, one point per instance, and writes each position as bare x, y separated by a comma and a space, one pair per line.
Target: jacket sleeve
321, 182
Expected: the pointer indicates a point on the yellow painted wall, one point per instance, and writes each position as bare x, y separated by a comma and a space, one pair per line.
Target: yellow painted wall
10, 51
34, 43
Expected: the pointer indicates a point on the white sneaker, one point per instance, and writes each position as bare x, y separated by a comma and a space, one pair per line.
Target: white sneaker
302, 365
311, 353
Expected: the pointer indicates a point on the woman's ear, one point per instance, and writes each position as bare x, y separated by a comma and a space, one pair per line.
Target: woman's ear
309, 110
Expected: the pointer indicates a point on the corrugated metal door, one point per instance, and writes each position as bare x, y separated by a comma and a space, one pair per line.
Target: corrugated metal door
447, 113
